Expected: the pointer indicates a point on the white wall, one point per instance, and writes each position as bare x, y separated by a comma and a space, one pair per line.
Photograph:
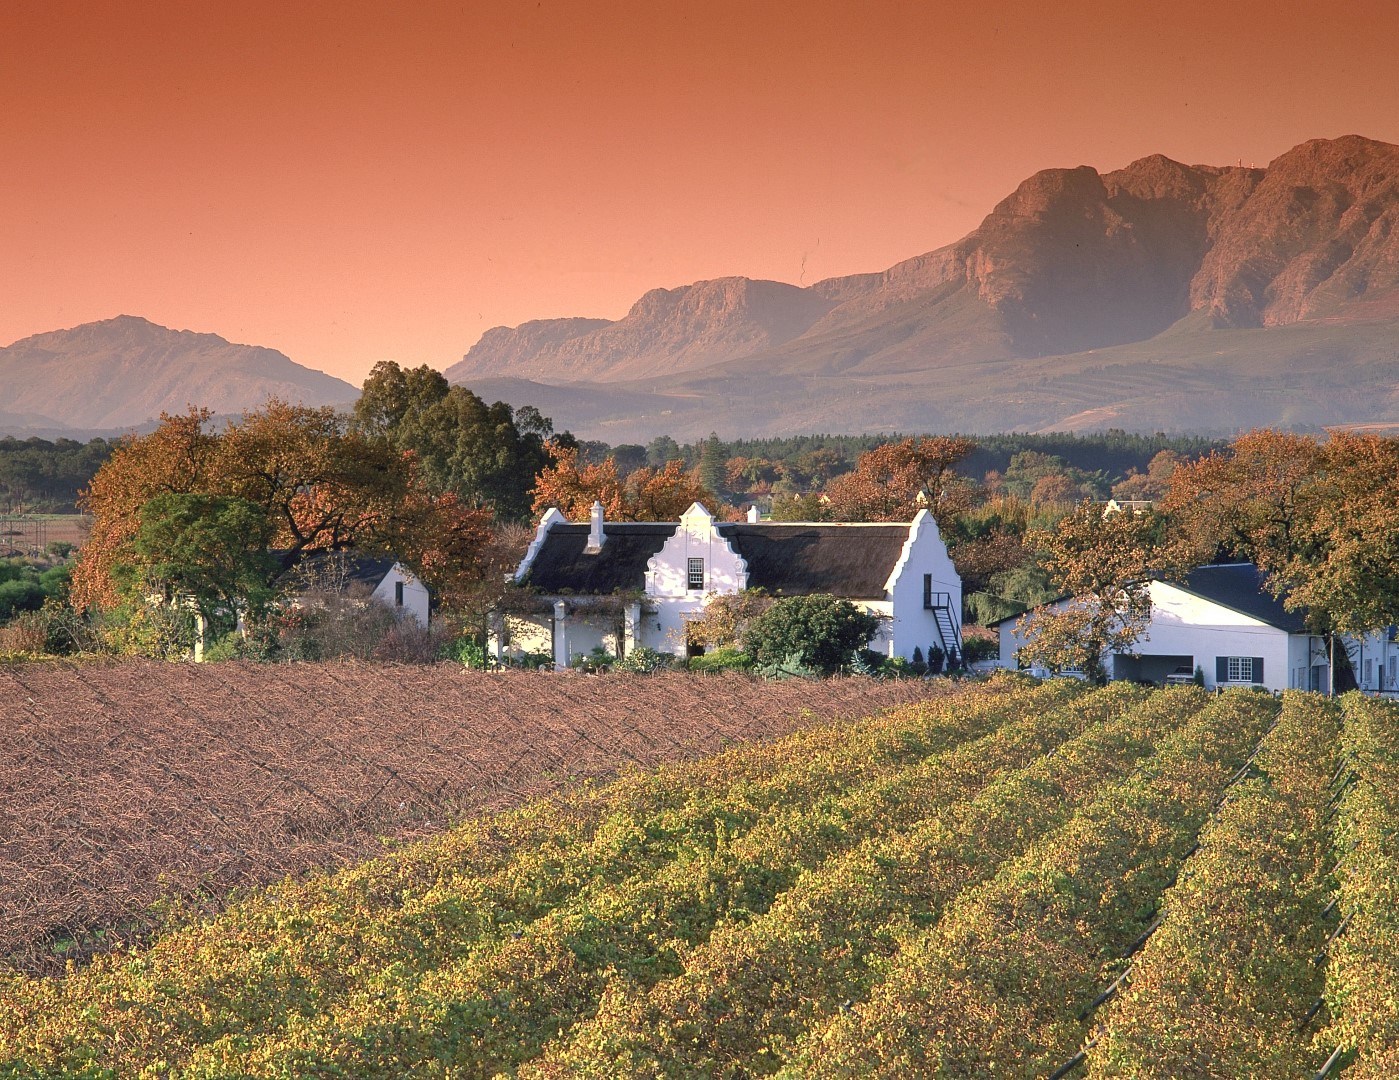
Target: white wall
667, 579
1376, 661
416, 600
914, 627
1183, 624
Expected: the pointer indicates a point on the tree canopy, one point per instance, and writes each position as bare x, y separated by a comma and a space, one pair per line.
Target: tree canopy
483, 454
646, 494
320, 484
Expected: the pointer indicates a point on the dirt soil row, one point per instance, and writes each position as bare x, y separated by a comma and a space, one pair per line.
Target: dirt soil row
125, 784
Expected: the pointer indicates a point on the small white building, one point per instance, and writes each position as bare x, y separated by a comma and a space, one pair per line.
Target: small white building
1220, 620
623, 585
1375, 658
383, 580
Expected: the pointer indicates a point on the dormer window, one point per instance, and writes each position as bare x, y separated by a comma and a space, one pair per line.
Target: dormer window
696, 574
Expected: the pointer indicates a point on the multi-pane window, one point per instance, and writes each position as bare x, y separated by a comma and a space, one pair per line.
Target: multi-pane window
1241, 669
696, 575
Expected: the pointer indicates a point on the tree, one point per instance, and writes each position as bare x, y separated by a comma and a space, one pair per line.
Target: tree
712, 462
725, 619
1343, 566
484, 454
645, 495
211, 549
1103, 565
894, 481
1152, 484
823, 631
1248, 502
321, 485
176, 457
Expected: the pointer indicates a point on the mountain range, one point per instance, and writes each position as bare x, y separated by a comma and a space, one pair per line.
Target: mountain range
1158, 297
1161, 296
124, 372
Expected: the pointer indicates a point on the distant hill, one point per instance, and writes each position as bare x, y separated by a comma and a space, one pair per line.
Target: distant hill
124, 372
1159, 296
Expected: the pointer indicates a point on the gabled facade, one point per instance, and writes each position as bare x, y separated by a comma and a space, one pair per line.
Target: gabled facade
1223, 621
387, 581
623, 585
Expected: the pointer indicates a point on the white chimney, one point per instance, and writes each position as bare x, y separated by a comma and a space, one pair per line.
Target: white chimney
753, 514
595, 534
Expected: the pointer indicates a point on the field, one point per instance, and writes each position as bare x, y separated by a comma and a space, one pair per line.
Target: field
1004, 880
125, 784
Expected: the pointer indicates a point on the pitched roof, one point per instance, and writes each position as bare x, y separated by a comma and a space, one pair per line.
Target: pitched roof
797, 560
561, 566
787, 560
343, 568
1242, 587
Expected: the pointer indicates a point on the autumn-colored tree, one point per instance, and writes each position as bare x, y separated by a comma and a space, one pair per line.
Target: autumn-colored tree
725, 619
648, 494
1343, 566
175, 458
1152, 484
1249, 502
572, 486
894, 481
1102, 564
320, 485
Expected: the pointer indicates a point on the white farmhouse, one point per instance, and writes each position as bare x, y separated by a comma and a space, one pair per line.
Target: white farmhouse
383, 580
623, 585
1375, 658
1220, 620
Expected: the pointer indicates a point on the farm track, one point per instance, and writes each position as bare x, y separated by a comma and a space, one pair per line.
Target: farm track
1007, 880
124, 785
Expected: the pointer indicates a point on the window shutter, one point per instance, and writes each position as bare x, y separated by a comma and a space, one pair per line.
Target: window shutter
1221, 670
1258, 669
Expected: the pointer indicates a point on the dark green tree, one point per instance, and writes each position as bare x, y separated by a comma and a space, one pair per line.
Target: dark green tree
713, 460
484, 454
209, 549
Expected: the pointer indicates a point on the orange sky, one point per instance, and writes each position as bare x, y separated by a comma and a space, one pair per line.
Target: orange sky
350, 181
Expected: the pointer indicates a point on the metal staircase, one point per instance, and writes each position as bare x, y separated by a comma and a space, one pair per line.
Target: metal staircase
947, 619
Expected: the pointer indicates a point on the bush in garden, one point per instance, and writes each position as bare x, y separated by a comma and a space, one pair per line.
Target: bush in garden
729, 658
595, 662
821, 631
643, 661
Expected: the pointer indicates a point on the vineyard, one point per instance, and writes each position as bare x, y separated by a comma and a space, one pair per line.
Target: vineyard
126, 785
1003, 880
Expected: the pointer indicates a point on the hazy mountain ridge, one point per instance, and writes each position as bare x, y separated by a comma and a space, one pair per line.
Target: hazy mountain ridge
123, 372
1071, 260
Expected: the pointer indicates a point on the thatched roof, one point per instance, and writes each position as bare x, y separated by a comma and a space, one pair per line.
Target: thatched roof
561, 566
797, 560
786, 560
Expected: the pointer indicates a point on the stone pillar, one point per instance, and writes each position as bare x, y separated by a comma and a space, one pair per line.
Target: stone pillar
560, 636
631, 628
495, 637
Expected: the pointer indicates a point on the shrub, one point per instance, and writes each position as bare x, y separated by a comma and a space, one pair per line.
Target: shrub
978, 648
644, 661
466, 651
729, 658
822, 631
27, 632
595, 662
409, 643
